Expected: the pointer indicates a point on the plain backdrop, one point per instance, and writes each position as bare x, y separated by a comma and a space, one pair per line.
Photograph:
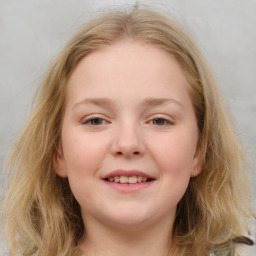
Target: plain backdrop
32, 32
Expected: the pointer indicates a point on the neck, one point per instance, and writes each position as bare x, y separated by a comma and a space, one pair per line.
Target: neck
103, 240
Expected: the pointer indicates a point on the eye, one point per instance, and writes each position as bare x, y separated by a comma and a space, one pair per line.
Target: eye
159, 121
94, 121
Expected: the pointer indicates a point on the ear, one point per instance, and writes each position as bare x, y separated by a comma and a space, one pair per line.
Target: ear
59, 163
197, 162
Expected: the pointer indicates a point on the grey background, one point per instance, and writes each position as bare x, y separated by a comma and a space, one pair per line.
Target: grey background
32, 32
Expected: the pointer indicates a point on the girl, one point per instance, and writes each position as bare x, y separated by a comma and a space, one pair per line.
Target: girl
128, 150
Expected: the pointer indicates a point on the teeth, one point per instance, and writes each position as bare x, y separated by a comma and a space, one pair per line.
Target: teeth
133, 179
128, 180
139, 179
124, 179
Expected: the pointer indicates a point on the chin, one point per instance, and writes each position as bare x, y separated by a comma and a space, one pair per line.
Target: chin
129, 219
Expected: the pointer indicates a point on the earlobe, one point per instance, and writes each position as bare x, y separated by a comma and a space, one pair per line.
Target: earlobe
59, 164
197, 162
197, 167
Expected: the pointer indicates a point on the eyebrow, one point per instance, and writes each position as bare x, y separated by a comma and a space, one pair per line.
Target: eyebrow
105, 102
161, 101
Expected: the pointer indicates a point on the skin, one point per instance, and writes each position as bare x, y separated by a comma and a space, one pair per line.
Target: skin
128, 107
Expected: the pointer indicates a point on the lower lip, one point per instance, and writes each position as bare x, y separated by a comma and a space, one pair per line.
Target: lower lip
128, 188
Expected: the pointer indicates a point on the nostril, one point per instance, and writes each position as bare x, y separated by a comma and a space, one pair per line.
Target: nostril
120, 153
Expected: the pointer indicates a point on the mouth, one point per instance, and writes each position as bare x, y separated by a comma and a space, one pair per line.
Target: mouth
128, 180
128, 177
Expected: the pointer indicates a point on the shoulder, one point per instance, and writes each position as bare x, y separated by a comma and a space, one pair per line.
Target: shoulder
3, 248
245, 245
240, 250
247, 248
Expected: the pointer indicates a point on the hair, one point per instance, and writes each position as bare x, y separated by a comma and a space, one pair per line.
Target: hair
40, 211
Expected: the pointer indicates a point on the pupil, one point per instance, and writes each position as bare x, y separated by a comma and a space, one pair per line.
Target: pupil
159, 121
96, 121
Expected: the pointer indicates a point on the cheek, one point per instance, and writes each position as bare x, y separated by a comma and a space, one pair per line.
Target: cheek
82, 159
175, 174
174, 158
82, 154
175, 154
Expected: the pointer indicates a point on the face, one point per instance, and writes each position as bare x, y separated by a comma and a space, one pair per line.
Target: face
129, 135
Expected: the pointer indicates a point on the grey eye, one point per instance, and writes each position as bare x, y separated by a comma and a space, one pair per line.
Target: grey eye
96, 121
159, 121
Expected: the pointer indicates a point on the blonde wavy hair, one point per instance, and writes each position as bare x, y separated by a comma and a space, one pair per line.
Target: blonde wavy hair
40, 211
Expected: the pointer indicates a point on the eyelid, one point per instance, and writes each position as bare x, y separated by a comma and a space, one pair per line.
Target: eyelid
88, 118
165, 117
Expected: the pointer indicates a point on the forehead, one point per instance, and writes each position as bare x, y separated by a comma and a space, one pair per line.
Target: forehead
128, 63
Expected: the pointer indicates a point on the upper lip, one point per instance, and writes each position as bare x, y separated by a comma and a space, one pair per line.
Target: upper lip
128, 173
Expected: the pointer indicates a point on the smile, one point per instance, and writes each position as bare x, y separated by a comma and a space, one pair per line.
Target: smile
128, 180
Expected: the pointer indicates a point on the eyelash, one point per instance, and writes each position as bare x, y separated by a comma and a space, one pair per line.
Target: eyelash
164, 121
157, 121
91, 119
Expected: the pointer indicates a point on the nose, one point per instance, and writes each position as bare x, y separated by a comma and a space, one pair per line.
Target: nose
128, 142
